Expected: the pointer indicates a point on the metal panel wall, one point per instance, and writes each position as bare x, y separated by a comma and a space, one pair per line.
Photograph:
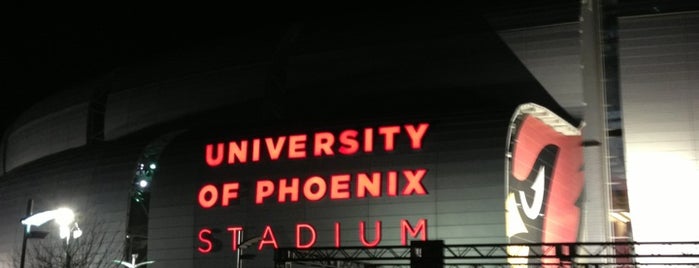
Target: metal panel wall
144, 105
659, 63
464, 158
52, 133
92, 181
552, 54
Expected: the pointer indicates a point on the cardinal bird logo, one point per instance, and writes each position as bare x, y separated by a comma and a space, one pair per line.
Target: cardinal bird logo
544, 183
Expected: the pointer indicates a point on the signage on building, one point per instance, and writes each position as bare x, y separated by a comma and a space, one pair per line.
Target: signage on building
544, 181
337, 187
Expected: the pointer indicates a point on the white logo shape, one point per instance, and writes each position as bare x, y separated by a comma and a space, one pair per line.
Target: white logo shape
533, 211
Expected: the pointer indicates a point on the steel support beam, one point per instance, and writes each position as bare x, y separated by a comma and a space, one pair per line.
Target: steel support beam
495, 255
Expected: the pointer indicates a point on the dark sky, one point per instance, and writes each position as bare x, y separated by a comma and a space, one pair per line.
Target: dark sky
52, 45
47, 46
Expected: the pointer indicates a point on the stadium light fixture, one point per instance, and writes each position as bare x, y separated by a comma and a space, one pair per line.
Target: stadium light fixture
63, 217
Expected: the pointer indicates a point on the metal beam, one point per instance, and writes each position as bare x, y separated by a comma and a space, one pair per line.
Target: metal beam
608, 254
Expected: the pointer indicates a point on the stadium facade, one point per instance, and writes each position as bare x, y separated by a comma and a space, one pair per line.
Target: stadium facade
383, 133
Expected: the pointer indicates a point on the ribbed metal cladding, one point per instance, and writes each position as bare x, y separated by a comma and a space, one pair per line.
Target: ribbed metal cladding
507, 15
92, 181
465, 83
659, 71
552, 54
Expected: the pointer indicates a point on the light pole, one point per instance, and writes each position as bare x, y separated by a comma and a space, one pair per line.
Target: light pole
133, 263
73, 232
64, 217
26, 233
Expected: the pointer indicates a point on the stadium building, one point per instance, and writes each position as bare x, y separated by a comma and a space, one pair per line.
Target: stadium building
370, 129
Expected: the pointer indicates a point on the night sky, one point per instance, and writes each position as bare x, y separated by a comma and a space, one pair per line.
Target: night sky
54, 45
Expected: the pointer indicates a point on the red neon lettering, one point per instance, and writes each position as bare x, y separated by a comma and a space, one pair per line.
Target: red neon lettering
371, 185
312, 239
337, 234
237, 151
389, 134
214, 161
323, 143
368, 140
392, 181
208, 195
268, 238
203, 238
275, 148
235, 231
255, 150
348, 141
297, 146
308, 188
414, 182
230, 191
264, 188
291, 190
377, 234
405, 227
416, 135
339, 186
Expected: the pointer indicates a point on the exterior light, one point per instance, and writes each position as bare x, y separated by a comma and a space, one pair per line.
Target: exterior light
621, 216
76, 231
152, 166
143, 183
64, 216
133, 263
39, 218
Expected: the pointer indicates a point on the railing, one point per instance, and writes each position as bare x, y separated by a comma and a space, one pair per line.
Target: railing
624, 254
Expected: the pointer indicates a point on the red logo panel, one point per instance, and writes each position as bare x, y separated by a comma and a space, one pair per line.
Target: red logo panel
545, 181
